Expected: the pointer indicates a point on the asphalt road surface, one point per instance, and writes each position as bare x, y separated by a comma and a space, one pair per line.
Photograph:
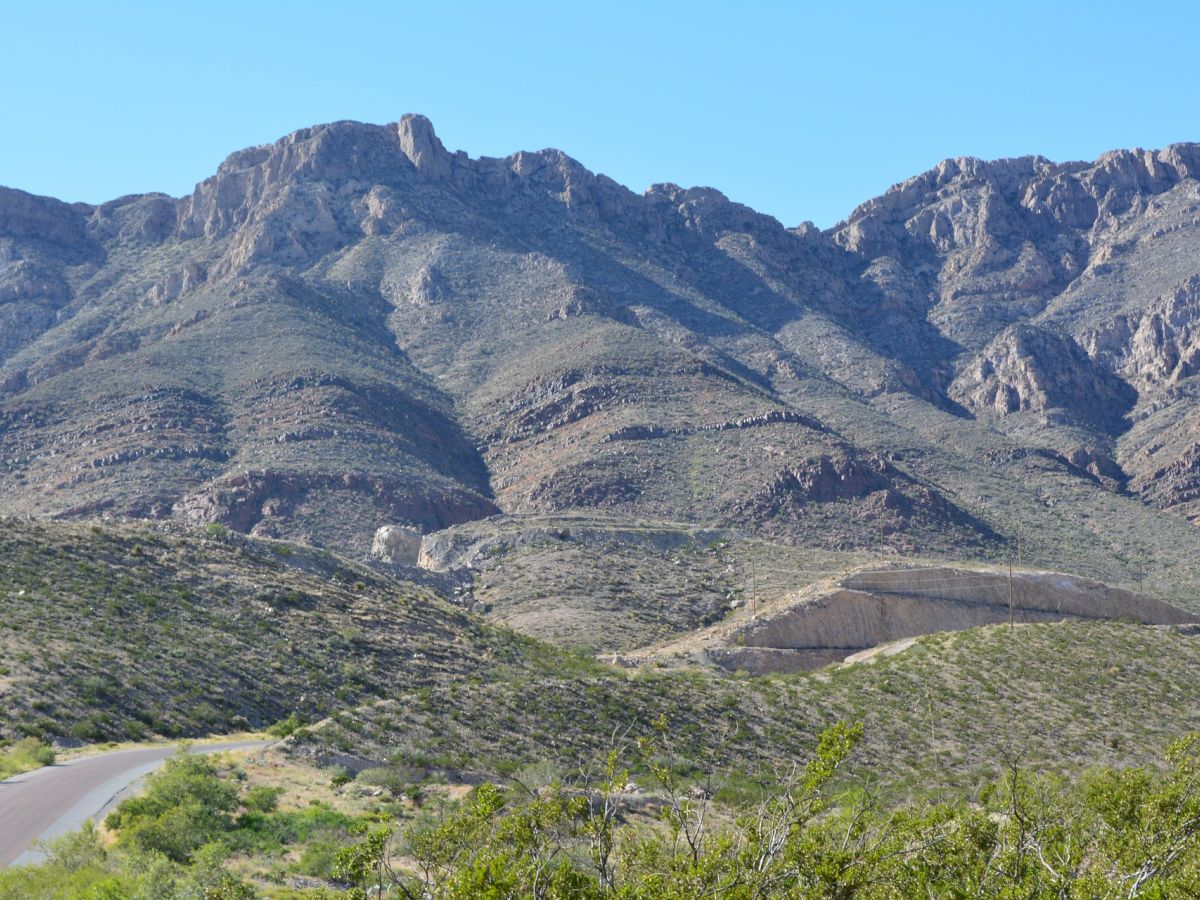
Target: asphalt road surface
54, 800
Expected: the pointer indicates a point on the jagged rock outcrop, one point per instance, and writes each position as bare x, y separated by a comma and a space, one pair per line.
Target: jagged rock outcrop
1157, 345
657, 432
1097, 463
39, 239
355, 324
422, 147
1029, 368
987, 245
826, 479
1172, 483
877, 492
267, 503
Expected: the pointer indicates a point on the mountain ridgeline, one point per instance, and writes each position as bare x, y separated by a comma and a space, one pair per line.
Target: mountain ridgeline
354, 327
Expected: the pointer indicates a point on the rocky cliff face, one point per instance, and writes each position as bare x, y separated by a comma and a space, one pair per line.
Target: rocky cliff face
355, 326
1031, 368
1155, 346
40, 239
1063, 288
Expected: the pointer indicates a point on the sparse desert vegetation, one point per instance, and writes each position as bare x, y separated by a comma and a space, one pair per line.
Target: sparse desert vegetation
573, 542
117, 632
806, 831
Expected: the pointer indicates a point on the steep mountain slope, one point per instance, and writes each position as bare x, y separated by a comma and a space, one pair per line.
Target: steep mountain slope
354, 326
1072, 291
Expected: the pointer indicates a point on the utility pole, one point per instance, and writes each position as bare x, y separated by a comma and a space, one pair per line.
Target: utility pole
1011, 624
929, 707
881, 542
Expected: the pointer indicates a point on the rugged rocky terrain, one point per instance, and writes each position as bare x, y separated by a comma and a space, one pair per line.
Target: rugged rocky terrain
355, 327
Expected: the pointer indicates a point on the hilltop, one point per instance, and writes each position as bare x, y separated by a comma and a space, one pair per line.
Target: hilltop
123, 632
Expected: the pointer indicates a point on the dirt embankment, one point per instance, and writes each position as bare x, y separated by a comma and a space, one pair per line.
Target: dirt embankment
866, 609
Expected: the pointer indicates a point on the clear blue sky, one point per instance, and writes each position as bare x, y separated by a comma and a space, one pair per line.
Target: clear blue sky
801, 110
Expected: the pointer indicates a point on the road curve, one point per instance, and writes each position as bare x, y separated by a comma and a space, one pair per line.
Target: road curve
54, 800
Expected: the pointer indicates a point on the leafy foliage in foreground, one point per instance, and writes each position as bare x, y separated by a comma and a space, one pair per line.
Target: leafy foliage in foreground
173, 842
1114, 833
1111, 833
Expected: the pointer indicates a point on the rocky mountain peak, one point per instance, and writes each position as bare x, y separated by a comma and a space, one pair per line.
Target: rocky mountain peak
26, 217
421, 145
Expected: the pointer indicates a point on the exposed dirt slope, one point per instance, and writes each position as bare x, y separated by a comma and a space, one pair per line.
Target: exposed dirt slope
831, 621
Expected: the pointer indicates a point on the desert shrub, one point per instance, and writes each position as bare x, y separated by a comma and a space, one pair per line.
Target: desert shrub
27, 753
78, 866
262, 799
1130, 832
319, 856
391, 779
185, 806
285, 727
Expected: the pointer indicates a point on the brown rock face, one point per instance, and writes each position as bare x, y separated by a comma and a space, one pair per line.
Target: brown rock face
1154, 346
1175, 484
824, 480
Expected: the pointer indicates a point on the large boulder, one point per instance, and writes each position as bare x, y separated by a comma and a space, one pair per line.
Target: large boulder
397, 544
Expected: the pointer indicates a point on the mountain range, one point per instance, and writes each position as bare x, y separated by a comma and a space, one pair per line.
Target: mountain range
354, 327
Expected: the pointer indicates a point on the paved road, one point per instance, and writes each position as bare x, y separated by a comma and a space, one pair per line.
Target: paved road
47, 802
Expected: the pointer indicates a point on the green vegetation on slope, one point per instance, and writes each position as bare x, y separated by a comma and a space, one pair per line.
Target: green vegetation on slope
951, 710
114, 632
117, 632
24, 755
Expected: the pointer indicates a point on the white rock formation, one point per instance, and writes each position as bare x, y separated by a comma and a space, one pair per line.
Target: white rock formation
397, 544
